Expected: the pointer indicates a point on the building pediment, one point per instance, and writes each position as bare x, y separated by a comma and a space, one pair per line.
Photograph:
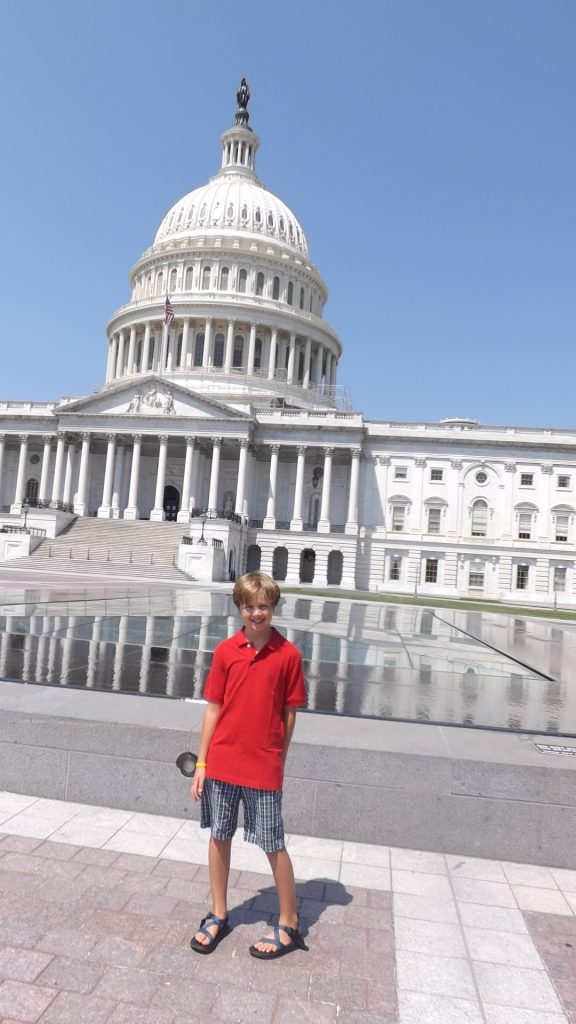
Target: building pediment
153, 397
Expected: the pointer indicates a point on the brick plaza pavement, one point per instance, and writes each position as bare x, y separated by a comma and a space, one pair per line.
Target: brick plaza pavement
92, 932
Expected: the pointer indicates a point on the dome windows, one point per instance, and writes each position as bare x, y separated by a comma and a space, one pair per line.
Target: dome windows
219, 343
160, 283
290, 294
282, 226
188, 279
276, 288
238, 353
190, 214
206, 274
242, 279
244, 213
224, 278
301, 298
259, 283
202, 212
230, 211
258, 216
270, 219
173, 276
199, 349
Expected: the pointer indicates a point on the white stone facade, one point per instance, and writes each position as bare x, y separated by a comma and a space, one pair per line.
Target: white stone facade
233, 410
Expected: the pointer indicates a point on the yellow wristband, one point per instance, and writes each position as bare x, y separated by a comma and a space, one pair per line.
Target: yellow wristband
201, 764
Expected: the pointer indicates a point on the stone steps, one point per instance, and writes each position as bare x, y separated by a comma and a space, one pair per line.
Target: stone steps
97, 541
108, 569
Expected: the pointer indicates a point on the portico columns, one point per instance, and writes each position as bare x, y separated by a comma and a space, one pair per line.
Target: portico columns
117, 489
106, 506
120, 361
131, 349
214, 474
184, 513
296, 521
291, 358
207, 354
111, 364
21, 476
327, 375
324, 521
58, 470
69, 474
251, 349
80, 505
185, 336
241, 486
307, 358
318, 368
157, 514
272, 360
228, 352
352, 517
43, 489
146, 349
131, 511
270, 520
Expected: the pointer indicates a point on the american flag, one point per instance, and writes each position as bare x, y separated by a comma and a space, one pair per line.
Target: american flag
168, 312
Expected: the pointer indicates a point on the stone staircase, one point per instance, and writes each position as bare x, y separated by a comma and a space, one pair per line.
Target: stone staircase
118, 548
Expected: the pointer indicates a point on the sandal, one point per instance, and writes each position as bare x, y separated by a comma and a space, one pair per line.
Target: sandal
296, 942
205, 923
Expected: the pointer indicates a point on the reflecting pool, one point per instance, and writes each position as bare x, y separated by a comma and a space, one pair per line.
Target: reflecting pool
365, 659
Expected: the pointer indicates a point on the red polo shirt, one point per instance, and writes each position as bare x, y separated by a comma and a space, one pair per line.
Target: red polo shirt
253, 688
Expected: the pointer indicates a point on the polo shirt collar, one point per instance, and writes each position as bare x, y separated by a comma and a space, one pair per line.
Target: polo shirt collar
273, 644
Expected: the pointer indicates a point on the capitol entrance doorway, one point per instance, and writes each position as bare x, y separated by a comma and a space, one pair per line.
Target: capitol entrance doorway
171, 503
307, 565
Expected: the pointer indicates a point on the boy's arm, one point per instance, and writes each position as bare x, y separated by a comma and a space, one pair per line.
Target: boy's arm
211, 716
289, 717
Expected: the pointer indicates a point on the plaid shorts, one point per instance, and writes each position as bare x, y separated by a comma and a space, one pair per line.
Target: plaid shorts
263, 823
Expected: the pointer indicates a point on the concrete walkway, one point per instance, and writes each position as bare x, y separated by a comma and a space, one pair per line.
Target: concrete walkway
97, 906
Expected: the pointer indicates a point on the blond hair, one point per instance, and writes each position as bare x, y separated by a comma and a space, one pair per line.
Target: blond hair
253, 583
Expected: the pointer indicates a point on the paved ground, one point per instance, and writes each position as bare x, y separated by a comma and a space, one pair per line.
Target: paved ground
97, 907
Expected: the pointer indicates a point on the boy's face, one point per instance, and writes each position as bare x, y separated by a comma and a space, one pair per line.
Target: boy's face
257, 617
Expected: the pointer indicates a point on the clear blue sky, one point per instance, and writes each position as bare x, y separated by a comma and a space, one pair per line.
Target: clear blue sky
427, 146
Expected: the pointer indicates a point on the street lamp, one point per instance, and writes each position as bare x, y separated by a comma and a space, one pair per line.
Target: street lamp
26, 508
202, 540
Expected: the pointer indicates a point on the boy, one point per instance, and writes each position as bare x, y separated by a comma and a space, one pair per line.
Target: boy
253, 689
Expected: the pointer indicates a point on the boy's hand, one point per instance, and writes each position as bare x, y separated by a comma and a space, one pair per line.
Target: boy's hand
197, 786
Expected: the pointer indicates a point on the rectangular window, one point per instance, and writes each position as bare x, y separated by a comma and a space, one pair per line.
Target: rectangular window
561, 532
437, 475
476, 579
563, 481
395, 568
559, 581
522, 577
400, 472
431, 571
526, 479
398, 518
434, 516
524, 525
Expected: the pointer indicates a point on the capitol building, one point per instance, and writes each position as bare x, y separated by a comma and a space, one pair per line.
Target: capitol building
222, 412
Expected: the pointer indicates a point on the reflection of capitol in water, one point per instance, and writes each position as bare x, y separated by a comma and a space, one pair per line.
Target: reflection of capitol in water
360, 659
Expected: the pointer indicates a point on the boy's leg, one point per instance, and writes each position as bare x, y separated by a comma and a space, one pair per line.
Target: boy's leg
219, 868
285, 887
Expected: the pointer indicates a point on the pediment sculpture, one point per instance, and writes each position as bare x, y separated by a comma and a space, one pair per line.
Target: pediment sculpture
154, 400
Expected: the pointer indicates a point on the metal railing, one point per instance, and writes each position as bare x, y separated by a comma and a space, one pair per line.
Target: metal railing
218, 513
32, 531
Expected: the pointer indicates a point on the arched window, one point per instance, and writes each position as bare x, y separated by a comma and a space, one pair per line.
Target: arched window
173, 276
258, 216
219, 342
188, 279
254, 558
149, 284
290, 294
280, 563
31, 493
242, 279
206, 272
160, 283
151, 352
199, 349
276, 288
479, 518
258, 354
335, 564
238, 354
259, 283
224, 275
301, 298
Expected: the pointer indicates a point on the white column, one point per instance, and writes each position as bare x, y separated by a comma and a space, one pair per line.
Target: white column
296, 521
241, 485
2, 451
333, 372
146, 349
117, 488
307, 358
58, 470
352, 517
80, 504
207, 354
194, 499
131, 511
21, 476
324, 521
251, 349
184, 513
157, 514
328, 371
272, 359
69, 474
111, 361
106, 506
318, 368
185, 337
214, 474
291, 358
131, 350
43, 489
229, 350
270, 520
120, 360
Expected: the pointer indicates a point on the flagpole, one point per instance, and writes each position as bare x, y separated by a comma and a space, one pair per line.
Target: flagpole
164, 347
